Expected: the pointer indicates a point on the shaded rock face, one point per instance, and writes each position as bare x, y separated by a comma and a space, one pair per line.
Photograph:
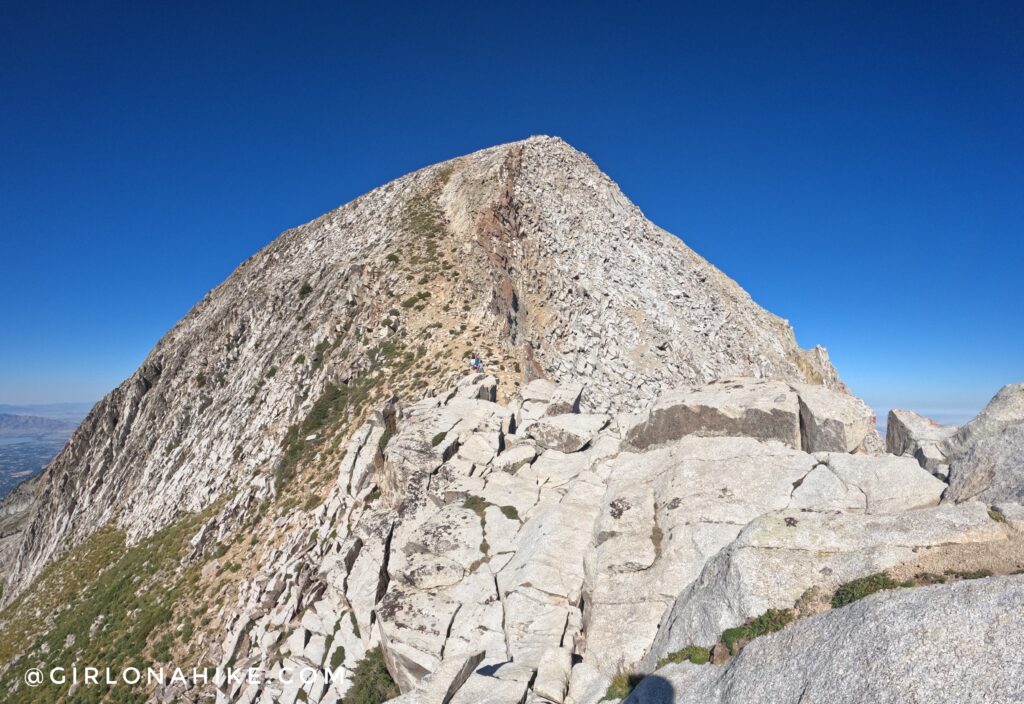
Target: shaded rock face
765, 410
805, 416
872, 651
527, 244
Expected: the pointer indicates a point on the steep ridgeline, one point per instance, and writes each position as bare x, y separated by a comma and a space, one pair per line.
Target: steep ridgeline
301, 470
526, 253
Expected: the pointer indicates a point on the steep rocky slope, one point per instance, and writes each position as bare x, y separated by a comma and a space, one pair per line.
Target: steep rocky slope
303, 475
526, 253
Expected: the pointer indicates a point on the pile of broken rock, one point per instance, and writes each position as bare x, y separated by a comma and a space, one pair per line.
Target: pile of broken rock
536, 553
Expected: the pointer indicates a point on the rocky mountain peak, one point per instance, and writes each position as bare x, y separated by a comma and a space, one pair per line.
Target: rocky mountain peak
304, 471
525, 254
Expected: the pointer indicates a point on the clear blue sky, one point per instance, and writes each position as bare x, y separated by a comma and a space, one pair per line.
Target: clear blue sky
857, 167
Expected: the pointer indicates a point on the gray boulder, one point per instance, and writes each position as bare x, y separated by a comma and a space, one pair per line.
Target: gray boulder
1005, 409
569, 432
753, 408
987, 454
835, 422
875, 650
909, 433
992, 469
867, 484
778, 557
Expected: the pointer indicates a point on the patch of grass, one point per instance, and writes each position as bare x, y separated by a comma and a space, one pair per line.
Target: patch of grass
770, 621
510, 512
393, 258
971, 574
692, 653
200, 380
305, 290
622, 685
384, 439
272, 372
860, 588
338, 658
475, 504
334, 403
996, 515
113, 604
371, 681
438, 439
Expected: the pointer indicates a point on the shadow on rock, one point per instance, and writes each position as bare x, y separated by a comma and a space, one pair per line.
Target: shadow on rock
652, 689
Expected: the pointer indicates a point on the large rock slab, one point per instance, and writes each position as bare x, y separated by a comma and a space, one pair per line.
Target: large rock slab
832, 421
992, 469
569, 432
779, 556
541, 586
867, 484
753, 408
910, 433
875, 650
986, 453
1005, 409
664, 513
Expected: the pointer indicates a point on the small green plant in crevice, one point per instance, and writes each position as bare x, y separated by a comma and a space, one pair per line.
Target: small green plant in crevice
692, 653
622, 685
970, 574
338, 658
770, 621
371, 681
200, 380
476, 505
438, 439
657, 536
510, 512
305, 290
996, 515
860, 588
384, 440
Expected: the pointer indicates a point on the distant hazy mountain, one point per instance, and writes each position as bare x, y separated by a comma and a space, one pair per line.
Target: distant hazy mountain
61, 411
29, 442
17, 425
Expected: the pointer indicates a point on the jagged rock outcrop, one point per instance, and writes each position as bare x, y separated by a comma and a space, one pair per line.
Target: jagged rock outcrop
529, 568
909, 433
987, 454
